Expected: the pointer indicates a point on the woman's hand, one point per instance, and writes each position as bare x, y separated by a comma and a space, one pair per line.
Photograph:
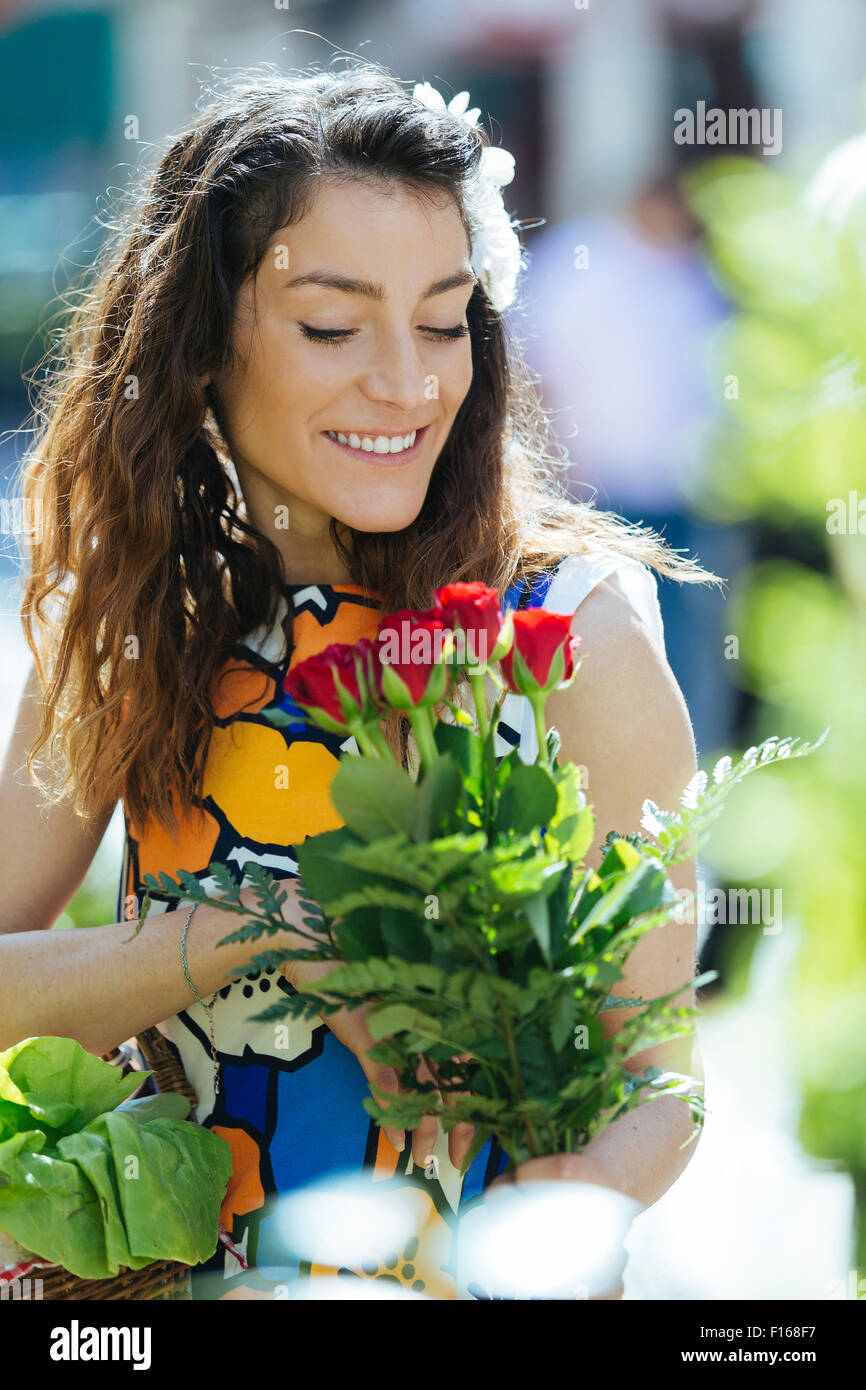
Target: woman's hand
565, 1167
350, 1028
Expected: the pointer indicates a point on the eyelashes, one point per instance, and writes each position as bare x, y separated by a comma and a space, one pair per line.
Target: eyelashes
335, 337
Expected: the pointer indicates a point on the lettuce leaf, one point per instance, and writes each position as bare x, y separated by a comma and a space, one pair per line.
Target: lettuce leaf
61, 1084
51, 1207
94, 1180
163, 1181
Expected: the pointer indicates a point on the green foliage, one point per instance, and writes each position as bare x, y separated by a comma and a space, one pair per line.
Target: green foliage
461, 909
788, 452
94, 1180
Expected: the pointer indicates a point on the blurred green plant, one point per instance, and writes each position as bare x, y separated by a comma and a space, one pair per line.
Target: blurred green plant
791, 451
95, 901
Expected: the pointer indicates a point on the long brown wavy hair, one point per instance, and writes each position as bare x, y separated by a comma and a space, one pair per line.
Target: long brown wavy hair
143, 547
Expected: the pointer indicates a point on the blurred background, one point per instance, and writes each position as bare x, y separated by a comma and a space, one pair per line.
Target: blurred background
694, 310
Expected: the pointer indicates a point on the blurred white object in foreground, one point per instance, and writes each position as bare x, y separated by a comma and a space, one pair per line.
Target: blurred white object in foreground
551, 1240
347, 1221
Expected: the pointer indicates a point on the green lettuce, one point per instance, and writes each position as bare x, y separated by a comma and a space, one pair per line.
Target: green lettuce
61, 1084
94, 1180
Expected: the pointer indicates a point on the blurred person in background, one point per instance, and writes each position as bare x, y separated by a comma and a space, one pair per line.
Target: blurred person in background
619, 312
620, 309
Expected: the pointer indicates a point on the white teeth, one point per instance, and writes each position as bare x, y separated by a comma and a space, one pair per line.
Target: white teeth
381, 444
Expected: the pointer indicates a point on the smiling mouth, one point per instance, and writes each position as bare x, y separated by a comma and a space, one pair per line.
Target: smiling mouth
382, 450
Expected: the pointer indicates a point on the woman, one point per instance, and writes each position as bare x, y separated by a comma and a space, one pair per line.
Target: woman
289, 403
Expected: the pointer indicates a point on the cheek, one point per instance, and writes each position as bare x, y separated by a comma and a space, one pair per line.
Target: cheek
451, 380
285, 385
464, 374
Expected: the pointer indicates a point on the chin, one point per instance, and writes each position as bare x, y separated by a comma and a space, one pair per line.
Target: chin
371, 512
386, 523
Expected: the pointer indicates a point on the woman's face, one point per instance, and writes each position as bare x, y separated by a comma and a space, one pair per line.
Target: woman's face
355, 324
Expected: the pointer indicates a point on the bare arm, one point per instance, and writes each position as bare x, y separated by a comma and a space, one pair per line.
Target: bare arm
47, 850
625, 720
93, 984
97, 985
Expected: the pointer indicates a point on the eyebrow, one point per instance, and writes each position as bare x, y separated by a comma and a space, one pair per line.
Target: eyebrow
334, 280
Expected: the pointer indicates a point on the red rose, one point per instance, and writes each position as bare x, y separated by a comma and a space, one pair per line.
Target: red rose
543, 656
474, 609
341, 685
414, 648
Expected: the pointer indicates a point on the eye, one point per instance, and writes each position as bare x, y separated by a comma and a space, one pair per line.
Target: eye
334, 336
337, 336
448, 335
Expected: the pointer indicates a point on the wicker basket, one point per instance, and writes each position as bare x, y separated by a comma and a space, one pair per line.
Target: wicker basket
164, 1279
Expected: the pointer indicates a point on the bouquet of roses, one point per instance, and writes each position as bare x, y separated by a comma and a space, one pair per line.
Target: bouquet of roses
459, 903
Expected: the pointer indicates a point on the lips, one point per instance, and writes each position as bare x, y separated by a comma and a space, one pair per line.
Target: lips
381, 460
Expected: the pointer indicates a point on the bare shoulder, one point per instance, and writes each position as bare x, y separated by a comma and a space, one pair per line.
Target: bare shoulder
624, 721
625, 714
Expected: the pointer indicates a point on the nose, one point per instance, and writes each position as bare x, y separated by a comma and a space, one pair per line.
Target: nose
395, 374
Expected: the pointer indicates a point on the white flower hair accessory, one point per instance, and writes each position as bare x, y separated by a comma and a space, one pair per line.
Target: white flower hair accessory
496, 256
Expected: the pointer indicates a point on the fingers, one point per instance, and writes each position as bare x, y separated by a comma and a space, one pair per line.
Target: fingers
460, 1142
357, 1036
425, 1134
461, 1136
386, 1079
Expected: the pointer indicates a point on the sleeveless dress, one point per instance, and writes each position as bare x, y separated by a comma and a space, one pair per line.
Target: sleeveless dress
291, 1110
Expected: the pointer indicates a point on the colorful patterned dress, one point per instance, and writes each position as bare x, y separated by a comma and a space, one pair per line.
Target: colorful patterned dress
290, 1103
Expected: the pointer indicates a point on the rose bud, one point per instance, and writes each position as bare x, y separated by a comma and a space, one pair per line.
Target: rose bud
340, 687
474, 609
414, 648
543, 655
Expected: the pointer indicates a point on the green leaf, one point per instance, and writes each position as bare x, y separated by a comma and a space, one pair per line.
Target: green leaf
222, 875
437, 799
120, 1191
558, 905
161, 1183
572, 827
538, 916
523, 878
466, 749
563, 1018
703, 800
371, 895
167, 1105
403, 933
426, 867
374, 798
394, 858
51, 1207
606, 974
527, 800
481, 998
619, 895
60, 1085
358, 935
395, 1018
460, 744
622, 854
320, 861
